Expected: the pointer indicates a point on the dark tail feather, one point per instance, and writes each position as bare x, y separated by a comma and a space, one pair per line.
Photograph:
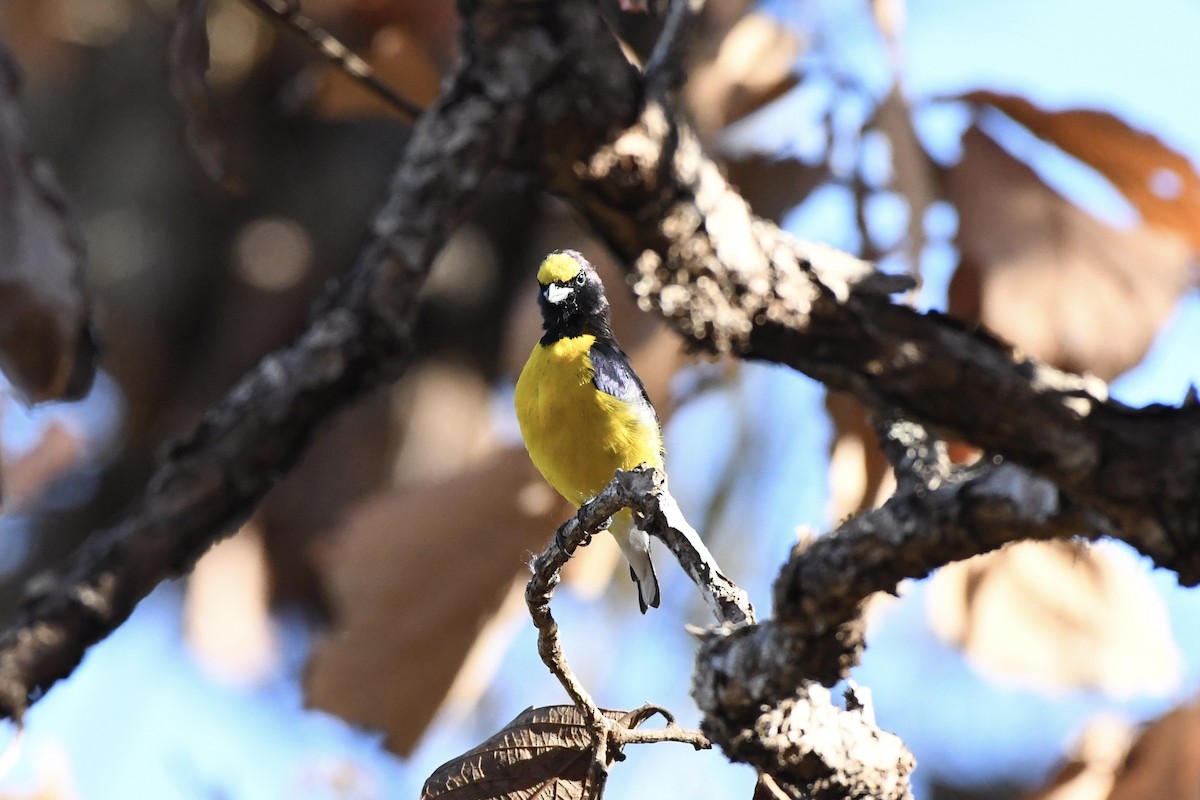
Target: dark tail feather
644, 602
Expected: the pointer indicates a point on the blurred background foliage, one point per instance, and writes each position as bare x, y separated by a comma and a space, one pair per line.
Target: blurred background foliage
380, 582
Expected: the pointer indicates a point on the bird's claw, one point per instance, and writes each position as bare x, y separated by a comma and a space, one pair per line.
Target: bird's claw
584, 540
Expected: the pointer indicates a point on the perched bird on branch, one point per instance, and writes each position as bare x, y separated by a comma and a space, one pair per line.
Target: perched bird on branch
583, 411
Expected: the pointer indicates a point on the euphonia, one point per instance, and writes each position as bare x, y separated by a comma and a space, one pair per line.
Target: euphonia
583, 411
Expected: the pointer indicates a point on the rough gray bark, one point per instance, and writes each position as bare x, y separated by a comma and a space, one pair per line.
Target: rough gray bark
816, 634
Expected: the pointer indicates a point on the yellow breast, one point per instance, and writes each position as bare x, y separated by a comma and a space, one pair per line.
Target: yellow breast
577, 435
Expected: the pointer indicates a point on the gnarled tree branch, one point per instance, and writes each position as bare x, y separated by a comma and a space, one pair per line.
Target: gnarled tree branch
729, 282
640, 489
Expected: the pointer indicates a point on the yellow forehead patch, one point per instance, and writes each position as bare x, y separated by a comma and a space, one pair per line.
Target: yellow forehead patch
557, 268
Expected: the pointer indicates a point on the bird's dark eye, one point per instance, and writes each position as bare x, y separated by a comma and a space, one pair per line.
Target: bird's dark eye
580, 278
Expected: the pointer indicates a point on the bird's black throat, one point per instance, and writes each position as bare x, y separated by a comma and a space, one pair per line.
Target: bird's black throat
585, 311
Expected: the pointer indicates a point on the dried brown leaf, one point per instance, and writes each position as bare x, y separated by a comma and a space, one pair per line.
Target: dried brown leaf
912, 169
753, 66
1164, 762
716, 19
46, 346
544, 752
1058, 615
1160, 182
1089, 771
28, 474
857, 467
447, 423
415, 576
351, 457
1113, 761
774, 186
1050, 278
227, 612
189, 60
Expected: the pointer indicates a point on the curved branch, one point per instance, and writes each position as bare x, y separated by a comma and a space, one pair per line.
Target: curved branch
806, 743
592, 518
639, 489
644, 490
729, 282
746, 680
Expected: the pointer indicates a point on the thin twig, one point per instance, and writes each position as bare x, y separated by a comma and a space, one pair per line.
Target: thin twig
572, 534
644, 491
664, 68
671, 733
330, 47
598, 769
768, 787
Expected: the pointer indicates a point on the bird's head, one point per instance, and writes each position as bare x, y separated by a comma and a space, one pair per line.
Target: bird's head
571, 295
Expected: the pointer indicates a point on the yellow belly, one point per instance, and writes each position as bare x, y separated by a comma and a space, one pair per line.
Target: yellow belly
577, 435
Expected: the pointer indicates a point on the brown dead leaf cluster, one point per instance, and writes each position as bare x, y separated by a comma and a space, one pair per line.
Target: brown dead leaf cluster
1113, 761
1160, 183
745, 62
1082, 294
753, 65
543, 752
1085, 295
1053, 279
1058, 616
46, 348
416, 575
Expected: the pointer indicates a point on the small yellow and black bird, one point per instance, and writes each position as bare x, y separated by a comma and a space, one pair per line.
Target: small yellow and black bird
583, 411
